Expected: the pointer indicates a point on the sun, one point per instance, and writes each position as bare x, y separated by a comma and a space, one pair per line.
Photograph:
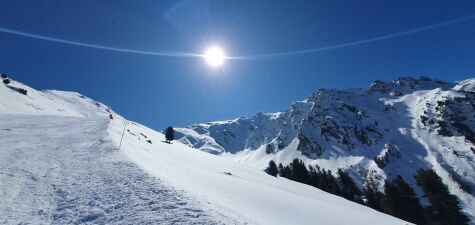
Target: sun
215, 56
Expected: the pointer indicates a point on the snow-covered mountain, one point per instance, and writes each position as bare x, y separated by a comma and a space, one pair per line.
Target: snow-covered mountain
378, 132
64, 161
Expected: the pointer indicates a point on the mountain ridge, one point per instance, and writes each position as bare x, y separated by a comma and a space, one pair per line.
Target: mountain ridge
387, 129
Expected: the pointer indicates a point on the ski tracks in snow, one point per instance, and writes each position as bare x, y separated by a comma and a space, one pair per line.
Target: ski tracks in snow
65, 170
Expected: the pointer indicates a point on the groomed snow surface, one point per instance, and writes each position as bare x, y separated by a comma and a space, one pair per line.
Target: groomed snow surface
60, 164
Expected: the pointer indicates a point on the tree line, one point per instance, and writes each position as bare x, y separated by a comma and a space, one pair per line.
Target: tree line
398, 198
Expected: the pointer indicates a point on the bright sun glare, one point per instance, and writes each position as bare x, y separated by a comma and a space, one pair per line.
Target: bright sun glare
215, 56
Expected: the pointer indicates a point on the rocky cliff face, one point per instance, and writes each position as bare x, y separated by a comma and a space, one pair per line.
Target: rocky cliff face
344, 119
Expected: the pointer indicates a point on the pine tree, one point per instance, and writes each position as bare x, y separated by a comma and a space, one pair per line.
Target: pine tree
169, 134
332, 184
281, 170
272, 169
299, 171
323, 181
314, 176
373, 198
285, 171
401, 201
444, 208
348, 188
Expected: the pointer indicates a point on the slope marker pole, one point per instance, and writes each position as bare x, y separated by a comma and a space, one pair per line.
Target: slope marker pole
125, 124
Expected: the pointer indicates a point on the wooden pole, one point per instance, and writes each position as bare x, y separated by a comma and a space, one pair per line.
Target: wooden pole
125, 124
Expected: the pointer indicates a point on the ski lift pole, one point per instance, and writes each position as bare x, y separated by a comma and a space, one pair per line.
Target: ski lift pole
125, 124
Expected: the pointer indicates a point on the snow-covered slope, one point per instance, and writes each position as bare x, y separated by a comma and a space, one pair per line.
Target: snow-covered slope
387, 129
60, 163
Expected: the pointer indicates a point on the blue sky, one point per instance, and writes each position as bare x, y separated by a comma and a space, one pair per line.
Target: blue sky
160, 91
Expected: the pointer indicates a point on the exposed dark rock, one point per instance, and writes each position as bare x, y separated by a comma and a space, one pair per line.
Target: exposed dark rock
308, 148
388, 154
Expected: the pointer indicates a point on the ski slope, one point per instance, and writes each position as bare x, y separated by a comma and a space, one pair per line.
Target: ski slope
60, 164
241, 190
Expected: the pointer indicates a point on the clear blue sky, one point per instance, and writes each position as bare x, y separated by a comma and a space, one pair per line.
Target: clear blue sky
160, 91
